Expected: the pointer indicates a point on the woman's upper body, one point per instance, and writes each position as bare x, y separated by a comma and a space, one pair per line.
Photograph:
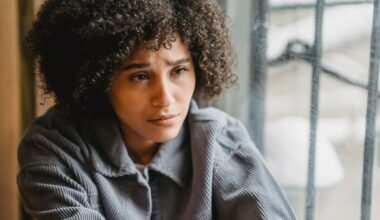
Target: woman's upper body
121, 143
80, 169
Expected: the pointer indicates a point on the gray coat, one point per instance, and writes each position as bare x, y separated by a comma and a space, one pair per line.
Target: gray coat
80, 169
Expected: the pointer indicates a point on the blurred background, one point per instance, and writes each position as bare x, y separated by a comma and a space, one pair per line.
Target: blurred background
282, 127
273, 41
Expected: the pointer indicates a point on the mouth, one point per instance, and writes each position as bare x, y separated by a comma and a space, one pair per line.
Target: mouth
164, 120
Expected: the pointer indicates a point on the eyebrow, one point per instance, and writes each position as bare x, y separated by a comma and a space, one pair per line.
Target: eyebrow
180, 61
144, 65
135, 66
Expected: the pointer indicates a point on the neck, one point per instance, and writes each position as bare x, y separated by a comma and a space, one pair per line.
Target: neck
142, 154
140, 151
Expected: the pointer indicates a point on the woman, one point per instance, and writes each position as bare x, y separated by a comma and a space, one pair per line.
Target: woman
126, 139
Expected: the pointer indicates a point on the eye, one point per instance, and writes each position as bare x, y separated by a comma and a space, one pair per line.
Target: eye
139, 77
180, 70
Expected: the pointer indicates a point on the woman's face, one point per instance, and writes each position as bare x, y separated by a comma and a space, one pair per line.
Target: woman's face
152, 91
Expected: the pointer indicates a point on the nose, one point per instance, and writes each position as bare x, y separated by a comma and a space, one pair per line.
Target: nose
163, 93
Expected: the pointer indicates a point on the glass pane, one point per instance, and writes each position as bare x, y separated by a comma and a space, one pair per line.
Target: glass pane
342, 103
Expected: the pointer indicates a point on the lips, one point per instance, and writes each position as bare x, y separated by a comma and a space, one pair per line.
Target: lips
164, 120
164, 117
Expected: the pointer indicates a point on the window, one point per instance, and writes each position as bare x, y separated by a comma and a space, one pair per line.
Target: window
280, 72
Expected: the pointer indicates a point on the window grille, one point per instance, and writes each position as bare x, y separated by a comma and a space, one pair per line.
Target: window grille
312, 54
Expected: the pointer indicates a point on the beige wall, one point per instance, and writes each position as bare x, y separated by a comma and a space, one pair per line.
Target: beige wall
9, 108
16, 106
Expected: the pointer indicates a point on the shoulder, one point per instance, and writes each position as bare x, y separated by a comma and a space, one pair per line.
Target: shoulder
232, 141
223, 123
237, 163
52, 120
48, 138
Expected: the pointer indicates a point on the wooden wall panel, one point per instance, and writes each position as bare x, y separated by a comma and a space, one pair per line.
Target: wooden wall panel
9, 109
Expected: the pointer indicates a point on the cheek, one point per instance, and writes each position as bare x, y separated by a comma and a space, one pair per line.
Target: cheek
188, 85
127, 103
119, 99
191, 85
128, 112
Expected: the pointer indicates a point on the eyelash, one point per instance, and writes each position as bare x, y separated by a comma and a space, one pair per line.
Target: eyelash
136, 77
145, 76
180, 70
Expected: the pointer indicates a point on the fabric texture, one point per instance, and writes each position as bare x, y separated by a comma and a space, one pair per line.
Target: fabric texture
80, 169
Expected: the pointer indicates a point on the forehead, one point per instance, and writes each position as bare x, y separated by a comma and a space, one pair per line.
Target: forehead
174, 50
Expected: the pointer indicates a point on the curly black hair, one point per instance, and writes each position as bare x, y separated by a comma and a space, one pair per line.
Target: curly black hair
79, 44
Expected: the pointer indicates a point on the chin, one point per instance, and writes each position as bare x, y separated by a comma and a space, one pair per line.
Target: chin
165, 136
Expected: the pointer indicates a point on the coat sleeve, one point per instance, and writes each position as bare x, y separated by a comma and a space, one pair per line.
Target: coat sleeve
50, 182
48, 192
245, 189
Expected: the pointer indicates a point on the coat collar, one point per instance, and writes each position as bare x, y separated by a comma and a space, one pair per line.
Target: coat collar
173, 159
109, 155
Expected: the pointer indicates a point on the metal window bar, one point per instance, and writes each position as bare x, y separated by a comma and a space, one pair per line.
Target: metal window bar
305, 54
296, 6
369, 143
223, 4
317, 55
259, 29
373, 95
313, 55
